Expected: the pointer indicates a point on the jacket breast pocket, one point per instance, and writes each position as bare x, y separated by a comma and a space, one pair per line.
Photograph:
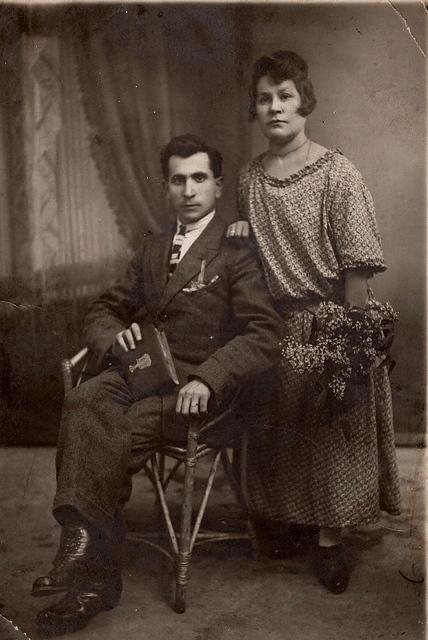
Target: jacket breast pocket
193, 290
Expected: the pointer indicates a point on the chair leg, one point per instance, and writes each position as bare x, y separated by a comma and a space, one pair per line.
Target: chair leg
184, 549
160, 458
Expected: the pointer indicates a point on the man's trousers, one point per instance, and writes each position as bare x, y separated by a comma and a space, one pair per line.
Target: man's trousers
105, 437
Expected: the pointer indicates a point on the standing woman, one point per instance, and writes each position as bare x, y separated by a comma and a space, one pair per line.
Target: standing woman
313, 221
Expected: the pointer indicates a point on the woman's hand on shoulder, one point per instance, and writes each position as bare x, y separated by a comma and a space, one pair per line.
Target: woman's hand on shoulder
239, 229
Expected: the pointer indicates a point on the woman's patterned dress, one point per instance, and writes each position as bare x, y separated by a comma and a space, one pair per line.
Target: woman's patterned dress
312, 464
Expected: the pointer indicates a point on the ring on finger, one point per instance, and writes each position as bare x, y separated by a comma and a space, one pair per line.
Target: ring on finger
194, 404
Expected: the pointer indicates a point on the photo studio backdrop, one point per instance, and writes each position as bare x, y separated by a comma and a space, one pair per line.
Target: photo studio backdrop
90, 94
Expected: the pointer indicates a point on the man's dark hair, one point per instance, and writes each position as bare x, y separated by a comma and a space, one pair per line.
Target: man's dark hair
280, 66
187, 145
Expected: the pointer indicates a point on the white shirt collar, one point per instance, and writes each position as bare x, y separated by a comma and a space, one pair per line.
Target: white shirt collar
199, 224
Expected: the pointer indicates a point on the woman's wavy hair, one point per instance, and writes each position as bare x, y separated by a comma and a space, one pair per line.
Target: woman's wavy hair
280, 66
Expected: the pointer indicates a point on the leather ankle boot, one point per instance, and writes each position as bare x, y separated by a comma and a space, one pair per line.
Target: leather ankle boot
77, 553
78, 607
88, 596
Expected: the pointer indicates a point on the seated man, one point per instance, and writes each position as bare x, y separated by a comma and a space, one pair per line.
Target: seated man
221, 333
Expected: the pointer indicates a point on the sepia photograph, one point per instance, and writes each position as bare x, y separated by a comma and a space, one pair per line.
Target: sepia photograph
213, 320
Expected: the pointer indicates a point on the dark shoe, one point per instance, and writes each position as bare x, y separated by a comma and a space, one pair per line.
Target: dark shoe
78, 607
330, 567
77, 551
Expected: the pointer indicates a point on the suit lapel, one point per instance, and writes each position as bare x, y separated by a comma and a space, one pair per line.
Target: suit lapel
206, 247
158, 261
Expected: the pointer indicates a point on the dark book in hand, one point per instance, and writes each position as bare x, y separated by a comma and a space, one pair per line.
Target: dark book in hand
149, 368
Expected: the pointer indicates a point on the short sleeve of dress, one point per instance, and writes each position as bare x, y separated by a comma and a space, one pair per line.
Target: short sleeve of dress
352, 219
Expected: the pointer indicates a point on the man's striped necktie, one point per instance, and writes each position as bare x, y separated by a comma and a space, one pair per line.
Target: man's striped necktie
176, 248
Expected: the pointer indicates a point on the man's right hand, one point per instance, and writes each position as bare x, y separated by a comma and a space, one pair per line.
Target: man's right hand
127, 338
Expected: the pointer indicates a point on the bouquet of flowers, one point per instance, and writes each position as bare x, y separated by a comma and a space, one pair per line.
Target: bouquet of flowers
346, 343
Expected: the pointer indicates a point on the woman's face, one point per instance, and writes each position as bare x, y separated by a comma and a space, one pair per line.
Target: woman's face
276, 108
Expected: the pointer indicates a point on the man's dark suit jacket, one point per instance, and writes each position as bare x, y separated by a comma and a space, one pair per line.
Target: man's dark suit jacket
224, 333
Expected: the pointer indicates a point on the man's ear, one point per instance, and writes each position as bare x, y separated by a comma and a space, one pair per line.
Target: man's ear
165, 188
219, 185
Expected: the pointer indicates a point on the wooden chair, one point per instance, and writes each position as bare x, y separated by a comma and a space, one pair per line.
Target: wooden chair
233, 457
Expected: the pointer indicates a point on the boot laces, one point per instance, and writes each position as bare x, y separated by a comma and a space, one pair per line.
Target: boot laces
74, 543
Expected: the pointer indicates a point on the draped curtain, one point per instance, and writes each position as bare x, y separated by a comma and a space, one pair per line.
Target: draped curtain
90, 247
148, 73
123, 76
118, 81
14, 228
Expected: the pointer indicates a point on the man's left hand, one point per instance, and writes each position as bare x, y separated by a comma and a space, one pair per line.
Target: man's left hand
193, 398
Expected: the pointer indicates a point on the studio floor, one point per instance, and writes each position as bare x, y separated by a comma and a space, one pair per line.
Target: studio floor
230, 596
